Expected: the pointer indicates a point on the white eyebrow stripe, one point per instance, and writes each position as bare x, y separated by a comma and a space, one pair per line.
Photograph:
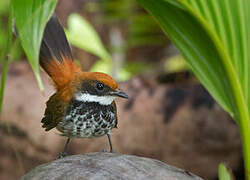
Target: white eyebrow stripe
103, 100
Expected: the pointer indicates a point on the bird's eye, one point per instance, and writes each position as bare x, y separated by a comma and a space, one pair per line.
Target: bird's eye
100, 86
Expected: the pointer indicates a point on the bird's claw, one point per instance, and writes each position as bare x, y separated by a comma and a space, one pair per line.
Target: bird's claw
111, 151
62, 155
104, 150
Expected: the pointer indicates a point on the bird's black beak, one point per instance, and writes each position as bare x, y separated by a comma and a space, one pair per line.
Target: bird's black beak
119, 93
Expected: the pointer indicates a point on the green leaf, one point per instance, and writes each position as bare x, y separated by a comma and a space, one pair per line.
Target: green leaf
31, 17
81, 34
223, 173
214, 38
199, 50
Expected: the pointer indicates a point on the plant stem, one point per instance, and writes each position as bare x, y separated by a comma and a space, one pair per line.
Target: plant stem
6, 58
3, 78
245, 137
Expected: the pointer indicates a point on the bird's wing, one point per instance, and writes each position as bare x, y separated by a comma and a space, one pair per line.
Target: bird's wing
54, 112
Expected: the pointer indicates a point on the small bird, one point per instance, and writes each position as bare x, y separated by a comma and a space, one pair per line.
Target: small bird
83, 105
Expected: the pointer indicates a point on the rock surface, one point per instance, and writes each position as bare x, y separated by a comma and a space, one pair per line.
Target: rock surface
107, 166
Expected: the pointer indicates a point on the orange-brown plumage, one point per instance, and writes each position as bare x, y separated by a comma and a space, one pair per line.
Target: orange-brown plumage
67, 76
62, 73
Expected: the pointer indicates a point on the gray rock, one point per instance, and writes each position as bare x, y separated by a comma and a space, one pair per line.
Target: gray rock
107, 166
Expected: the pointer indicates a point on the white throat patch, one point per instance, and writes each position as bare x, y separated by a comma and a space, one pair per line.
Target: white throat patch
103, 100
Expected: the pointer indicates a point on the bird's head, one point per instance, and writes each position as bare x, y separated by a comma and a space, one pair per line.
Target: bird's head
98, 87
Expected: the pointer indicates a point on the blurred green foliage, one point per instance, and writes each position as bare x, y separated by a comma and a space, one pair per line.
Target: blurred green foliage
137, 28
82, 35
223, 172
175, 64
3, 25
141, 28
16, 50
128, 70
118, 10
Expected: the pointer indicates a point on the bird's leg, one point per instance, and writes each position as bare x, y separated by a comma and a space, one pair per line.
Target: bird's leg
110, 143
65, 150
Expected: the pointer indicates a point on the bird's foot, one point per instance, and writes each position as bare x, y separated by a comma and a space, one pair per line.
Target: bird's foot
111, 151
104, 150
62, 155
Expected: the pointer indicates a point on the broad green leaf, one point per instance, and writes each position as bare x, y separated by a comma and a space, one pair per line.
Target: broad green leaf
199, 50
214, 38
81, 34
223, 173
228, 22
31, 17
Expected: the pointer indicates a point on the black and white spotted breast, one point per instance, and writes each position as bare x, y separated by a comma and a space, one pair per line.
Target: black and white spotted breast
87, 119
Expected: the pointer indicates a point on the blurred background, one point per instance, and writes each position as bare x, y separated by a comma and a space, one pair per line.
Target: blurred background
169, 116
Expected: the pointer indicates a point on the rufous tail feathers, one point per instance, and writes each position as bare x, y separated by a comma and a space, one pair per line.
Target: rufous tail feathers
56, 56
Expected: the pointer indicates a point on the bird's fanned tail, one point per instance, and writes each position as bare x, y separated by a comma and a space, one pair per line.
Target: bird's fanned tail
55, 54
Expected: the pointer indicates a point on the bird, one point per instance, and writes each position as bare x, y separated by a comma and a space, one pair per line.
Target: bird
83, 105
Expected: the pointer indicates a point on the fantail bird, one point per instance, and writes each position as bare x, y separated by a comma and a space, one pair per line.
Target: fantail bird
83, 105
